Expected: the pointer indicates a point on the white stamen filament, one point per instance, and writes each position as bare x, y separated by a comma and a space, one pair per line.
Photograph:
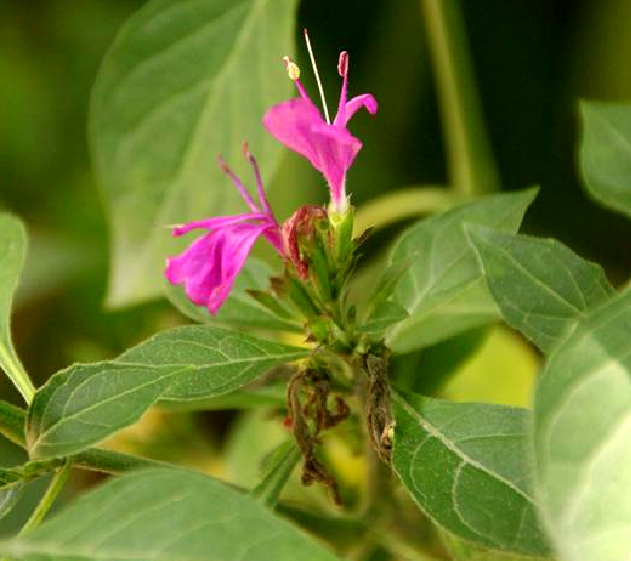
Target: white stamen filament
317, 77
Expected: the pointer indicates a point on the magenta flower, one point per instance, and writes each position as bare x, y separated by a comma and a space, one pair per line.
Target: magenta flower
208, 267
330, 148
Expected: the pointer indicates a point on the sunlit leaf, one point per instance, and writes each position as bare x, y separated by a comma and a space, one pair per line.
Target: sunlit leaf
582, 437
606, 153
183, 82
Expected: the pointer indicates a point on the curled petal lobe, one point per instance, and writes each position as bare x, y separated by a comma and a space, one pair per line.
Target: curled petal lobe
366, 101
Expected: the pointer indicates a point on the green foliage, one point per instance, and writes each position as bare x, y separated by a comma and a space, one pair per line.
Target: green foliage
582, 437
9, 497
541, 287
12, 251
443, 289
188, 79
466, 466
85, 404
606, 153
166, 515
278, 468
184, 81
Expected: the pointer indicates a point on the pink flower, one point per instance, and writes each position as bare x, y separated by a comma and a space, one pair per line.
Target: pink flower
330, 148
208, 267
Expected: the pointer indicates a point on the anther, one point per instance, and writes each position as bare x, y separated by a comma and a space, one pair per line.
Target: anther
293, 71
245, 148
342, 65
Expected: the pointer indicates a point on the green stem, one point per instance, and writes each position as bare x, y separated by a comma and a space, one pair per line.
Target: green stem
12, 420
108, 461
471, 166
16, 373
271, 485
402, 204
56, 485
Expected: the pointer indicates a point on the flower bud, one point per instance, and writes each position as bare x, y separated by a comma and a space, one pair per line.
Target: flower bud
299, 232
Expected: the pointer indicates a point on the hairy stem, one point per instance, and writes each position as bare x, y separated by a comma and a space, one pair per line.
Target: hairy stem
12, 423
471, 166
402, 204
16, 373
54, 488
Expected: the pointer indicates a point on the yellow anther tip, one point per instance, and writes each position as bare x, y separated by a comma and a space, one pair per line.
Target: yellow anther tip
293, 71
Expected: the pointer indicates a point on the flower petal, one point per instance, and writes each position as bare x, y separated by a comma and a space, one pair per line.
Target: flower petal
364, 100
209, 266
331, 149
291, 122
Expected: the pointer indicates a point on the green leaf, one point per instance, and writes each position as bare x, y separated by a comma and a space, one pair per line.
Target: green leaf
466, 466
9, 496
383, 316
582, 438
166, 515
84, 404
541, 287
183, 82
12, 251
460, 550
240, 309
444, 290
278, 468
605, 155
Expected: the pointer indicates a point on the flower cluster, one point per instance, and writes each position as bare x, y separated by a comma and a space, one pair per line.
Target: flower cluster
208, 267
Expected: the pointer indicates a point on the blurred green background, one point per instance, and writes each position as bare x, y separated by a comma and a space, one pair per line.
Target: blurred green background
533, 60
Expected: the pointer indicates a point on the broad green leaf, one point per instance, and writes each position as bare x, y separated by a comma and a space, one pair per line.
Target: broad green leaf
541, 287
12, 250
277, 470
582, 438
606, 153
166, 515
9, 497
460, 550
268, 394
183, 82
240, 309
466, 466
443, 289
84, 404
384, 315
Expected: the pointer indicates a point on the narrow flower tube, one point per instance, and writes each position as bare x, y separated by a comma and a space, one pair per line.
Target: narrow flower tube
330, 148
208, 267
